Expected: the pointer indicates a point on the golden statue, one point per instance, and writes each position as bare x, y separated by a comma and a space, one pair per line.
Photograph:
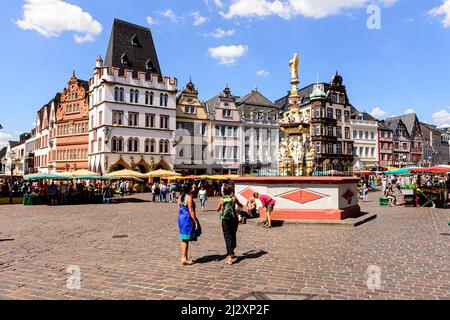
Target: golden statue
293, 65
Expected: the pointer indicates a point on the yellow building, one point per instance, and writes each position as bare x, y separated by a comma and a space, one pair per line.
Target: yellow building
193, 134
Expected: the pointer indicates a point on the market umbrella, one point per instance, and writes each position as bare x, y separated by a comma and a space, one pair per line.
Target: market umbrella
218, 177
401, 171
161, 173
125, 174
392, 168
47, 176
175, 178
434, 169
93, 177
192, 177
80, 173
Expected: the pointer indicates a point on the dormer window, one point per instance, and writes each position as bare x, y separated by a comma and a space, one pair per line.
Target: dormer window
124, 59
135, 41
149, 65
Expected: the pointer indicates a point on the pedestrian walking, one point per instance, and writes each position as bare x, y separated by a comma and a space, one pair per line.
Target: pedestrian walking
173, 192
268, 203
230, 220
365, 192
188, 223
202, 194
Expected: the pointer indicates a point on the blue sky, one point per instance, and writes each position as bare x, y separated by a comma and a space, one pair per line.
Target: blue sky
403, 66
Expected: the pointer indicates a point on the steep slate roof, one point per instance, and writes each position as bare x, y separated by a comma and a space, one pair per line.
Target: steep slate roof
14, 143
383, 126
3, 152
84, 84
140, 55
407, 119
393, 123
255, 98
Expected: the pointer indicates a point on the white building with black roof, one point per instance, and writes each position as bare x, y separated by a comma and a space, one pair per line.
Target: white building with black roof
132, 107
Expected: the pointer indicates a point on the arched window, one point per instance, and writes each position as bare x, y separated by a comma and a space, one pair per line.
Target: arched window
130, 145
152, 145
161, 146
166, 99
166, 146
116, 94
136, 96
151, 98
136, 145
147, 97
120, 144
121, 94
147, 146
114, 144
131, 95
161, 100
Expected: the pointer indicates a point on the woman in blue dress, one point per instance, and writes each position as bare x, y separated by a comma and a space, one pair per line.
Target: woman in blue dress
187, 223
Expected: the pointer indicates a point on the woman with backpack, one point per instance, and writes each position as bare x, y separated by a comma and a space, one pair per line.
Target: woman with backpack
188, 223
230, 220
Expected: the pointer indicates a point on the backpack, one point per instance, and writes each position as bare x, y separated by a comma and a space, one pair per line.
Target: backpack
228, 209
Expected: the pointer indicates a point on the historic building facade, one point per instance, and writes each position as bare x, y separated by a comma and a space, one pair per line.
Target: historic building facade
365, 136
228, 131
72, 127
411, 125
260, 141
193, 134
132, 106
44, 139
402, 142
327, 107
385, 145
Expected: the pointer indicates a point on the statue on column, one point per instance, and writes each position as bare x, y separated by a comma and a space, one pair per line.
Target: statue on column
293, 66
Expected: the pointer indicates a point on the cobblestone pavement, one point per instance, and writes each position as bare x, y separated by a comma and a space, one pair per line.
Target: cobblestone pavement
131, 251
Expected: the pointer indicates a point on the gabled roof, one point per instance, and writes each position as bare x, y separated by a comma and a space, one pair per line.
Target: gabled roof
393, 123
55, 100
133, 44
255, 98
407, 119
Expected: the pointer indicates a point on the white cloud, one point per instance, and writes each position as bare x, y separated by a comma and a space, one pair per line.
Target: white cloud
84, 38
442, 10
151, 21
170, 14
227, 54
378, 113
409, 111
262, 73
4, 138
220, 33
441, 117
289, 8
198, 18
52, 17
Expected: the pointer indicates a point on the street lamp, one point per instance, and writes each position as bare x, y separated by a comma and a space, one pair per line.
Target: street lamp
11, 155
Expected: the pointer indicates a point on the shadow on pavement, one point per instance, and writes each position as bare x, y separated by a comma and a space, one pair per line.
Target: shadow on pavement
254, 254
211, 258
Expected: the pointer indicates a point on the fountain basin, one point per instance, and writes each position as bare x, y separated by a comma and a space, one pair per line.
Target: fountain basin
304, 198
